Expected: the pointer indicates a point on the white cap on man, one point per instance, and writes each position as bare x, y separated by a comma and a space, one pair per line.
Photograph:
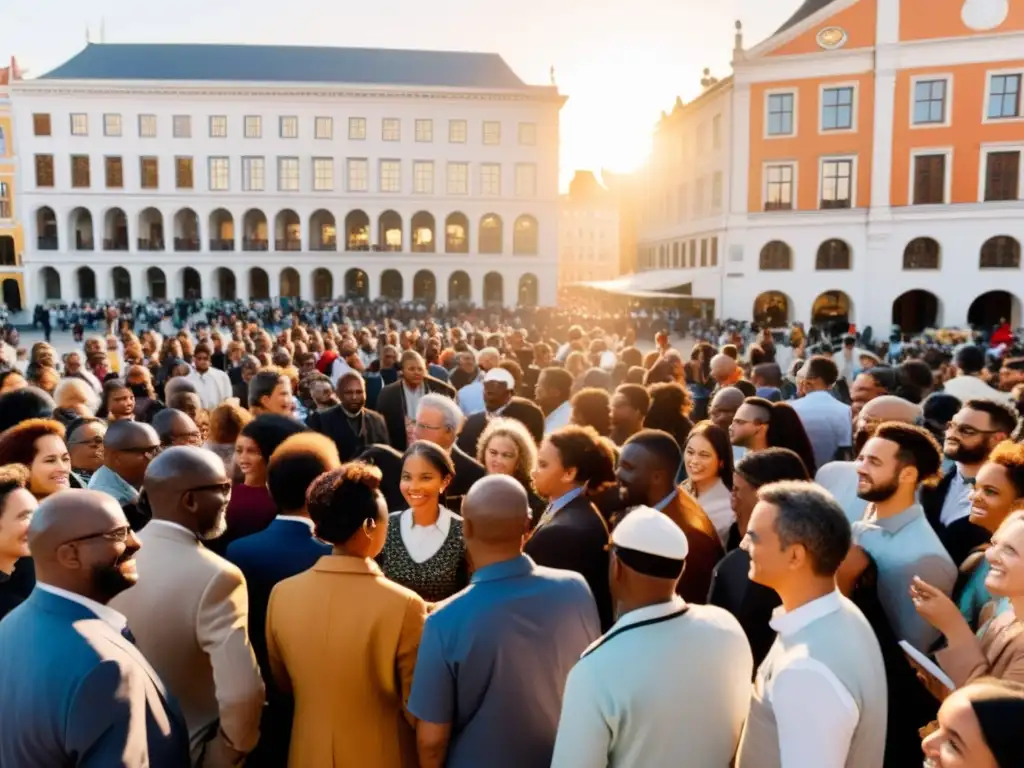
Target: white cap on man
501, 375
650, 543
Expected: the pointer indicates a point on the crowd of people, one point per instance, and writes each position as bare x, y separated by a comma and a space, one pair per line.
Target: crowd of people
357, 536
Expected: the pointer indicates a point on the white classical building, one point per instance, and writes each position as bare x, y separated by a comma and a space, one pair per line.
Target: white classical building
589, 232
229, 171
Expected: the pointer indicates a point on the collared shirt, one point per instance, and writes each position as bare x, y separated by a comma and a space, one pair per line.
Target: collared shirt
103, 612
957, 503
297, 519
827, 423
109, 482
816, 714
559, 504
422, 542
213, 386
558, 418
471, 397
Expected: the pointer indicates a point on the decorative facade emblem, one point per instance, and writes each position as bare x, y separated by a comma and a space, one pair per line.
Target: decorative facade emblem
982, 15
831, 38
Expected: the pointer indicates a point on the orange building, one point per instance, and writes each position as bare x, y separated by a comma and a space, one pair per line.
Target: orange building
11, 243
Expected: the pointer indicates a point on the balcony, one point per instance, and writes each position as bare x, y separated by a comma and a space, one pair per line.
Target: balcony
186, 244
150, 244
115, 244
329, 245
285, 244
223, 244
47, 243
254, 244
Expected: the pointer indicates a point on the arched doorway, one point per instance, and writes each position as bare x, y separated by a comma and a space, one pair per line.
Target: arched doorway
391, 285
992, 308
226, 288
12, 295
323, 235
424, 287
259, 284
46, 229
191, 284
357, 231
156, 282
494, 290
832, 309
222, 230
86, 284
290, 284
771, 310
122, 283
150, 236
115, 230
915, 310
50, 278
459, 287
287, 231
490, 235
323, 284
254, 230
81, 229
525, 236
528, 290
389, 232
357, 284
423, 232
186, 230
456, 233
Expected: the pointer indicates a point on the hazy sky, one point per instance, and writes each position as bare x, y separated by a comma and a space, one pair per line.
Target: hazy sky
620, 61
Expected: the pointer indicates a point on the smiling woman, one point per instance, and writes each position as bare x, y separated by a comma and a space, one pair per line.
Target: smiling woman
39, 445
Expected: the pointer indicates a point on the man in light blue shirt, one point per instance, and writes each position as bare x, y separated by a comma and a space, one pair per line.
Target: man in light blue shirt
825, 419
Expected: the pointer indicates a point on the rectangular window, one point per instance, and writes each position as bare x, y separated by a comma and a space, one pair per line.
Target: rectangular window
716, 191
837, 109
114, 171
323, 174
79, 124
357, 128
527, 134
80, 171
390, 176
490, 179
492, 132
929, 102
289, 127
220, 174
716, 132
41, 124
253, 126
929, 179
323, 128
182, 127
703, 253
457, 131
699, 201
358, 175
391, 129
1004, 96
526, 179
183, 177
44, 170
111, 125
836, 183
5, 200
425, 130
253, 174
288, 174
149, 173
1002, 176
780, 114
458, 178
714, 251
147, 126
218, 127
423, 177
778, 188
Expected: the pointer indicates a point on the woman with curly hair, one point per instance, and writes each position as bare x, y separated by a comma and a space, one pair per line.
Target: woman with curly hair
344, 621
39, 445
507, 448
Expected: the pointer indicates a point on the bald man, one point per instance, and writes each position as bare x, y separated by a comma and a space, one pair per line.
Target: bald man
128, 447
840, 477
727, 373
513, 636
724, 405
174, 427
85, 695
190, 613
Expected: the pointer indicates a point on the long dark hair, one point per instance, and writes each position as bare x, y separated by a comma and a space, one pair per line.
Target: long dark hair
721, 444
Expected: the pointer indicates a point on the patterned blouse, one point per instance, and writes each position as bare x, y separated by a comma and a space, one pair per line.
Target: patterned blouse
438, 577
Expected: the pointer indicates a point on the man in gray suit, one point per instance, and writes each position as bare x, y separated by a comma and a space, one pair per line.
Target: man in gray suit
76, 691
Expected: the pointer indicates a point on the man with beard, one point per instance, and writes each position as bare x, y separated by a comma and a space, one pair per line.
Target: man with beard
351, 426
891, 466
189, 612
85, 695
977, 428
840, 477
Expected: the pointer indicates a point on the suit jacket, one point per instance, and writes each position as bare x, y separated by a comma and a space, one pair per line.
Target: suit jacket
467, 471
523, 411
334, 423
391, 405
76, 692
705, 546
961, 536
576, 539
752, 604
189, 614
343, 639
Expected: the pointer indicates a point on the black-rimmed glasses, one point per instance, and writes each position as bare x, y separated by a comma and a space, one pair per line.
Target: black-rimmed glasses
117, 535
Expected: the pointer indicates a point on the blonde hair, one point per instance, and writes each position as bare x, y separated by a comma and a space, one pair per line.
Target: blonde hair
517, 432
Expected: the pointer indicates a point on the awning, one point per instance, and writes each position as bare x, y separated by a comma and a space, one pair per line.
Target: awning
657, 284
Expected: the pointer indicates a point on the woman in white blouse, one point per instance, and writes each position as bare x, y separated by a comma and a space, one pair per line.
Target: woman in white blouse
425, 551
708, 460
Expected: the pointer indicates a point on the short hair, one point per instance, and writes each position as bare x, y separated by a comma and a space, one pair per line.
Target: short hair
635, 375
22, 404
448, 408
86, 393
348, 376
1010, 456
731, 350
661, 445
270, 430
18, 444
771, 465
1004, 417
12, 477
822, 368
226, 422
590, 407
342, 500
516, 431
263, 384
770, 372
411, 354
632, 356
202, 348
432, 453
582, 449
970, 358
558, 379
639, 399
916, 447
295, 464
162, 423
76, 424
808, 515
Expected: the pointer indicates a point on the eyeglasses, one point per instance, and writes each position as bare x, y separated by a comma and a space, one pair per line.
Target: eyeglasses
149, 451
96, 442
968, 431
219, 487
118, 535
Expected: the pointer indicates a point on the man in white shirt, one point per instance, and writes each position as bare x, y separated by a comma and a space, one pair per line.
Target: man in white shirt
820, 698
968, 385
552, 394
471, 397
825, 419
212, 385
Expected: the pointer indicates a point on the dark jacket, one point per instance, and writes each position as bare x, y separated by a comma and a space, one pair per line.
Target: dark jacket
518, 408
391, 405
961, 536
752, 604
467, 471
335, 424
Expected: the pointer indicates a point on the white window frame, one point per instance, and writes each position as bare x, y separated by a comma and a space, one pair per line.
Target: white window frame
987, 149
364, 165
854, 107
854, 171
282, 160
451, 131
210, 123
177, 121
423, 130
795, 164
288, 127
947, 181
492, 139
107, 118
989, 74
323, 128
357, 129
422, 165
143, 119
249, 162
318, 179
255, 123
448, 178
398, 176
388, 123
518, 192
484, 186
531, 129
948, 107
214, 160
795, 93
84, 118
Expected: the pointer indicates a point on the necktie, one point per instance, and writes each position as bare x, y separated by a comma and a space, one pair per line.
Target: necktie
544, 518
127, 635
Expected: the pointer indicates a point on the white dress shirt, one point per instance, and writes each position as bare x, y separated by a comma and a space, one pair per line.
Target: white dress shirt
816, 714
338, 369
213, 386
103, 612
966, 388
558, 418
957, 503
422, 542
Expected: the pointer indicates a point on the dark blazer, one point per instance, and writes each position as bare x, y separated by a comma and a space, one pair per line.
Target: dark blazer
705, 546
391, 405
334, 424
961, 536
576, 539
85, 697
241, 391
518, 408
752, 604
467, 471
